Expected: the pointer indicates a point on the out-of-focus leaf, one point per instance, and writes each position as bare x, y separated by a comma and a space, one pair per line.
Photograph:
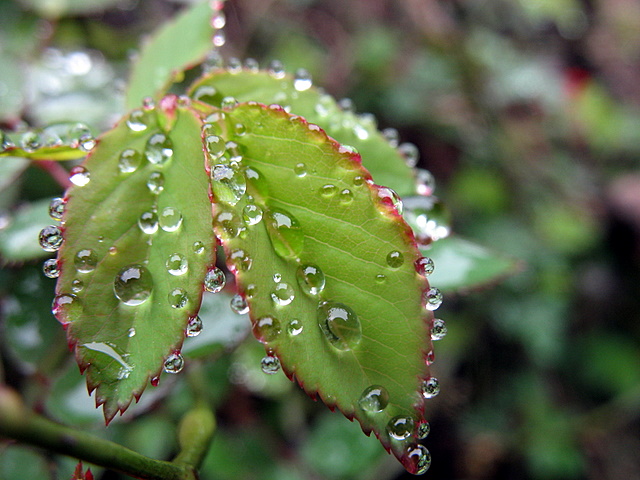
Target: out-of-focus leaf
137, 244
461, 264
59, 141
327, 266
299, 97
61, 8
10, 171
19, 241
180, 44
19, 463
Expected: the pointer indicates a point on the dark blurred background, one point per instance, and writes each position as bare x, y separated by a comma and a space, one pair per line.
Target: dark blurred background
527, 112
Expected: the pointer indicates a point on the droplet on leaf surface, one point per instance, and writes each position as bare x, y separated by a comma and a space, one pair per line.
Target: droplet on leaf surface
416, 459
433, 298
56, 208
85, 260
430, 388
174, 363
438, 329
214, 280
400, 427
266, 329
177, 264
374, 399
270, 364
79, 176
285, 233
51, 268
178, 298
50, 238
340, 325
311, 279
133, 285
129, 160
170, 219
194, 326
159, 149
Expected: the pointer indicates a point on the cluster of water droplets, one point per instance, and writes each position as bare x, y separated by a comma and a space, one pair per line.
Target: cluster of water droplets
73, 135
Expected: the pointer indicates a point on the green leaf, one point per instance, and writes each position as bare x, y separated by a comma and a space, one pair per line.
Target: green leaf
11, 170
123, 234
461, 264
60, 8
326, 265
178, 45
384, 162
19, 241
58, 141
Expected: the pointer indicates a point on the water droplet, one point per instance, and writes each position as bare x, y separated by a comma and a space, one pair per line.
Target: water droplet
50, 238
131, 332
250, 291
270, 364
66, 307
346, 105
77, 286
87, 142
395, 259
252, 214
424, 266
346, 197
374, 399
113, 250
425, 183
347, 149
285, 233
227, 225
51, 268
85, 260
56, 208
194, 326
416, 459
423, 430
228, 103
174, 363
129, 161
239, 305
276, 69
148, 222
428, 217
206, 94
302, 80
155, 381
198, 247
295, 327
430, 388
328, 190
30, 141
234, 65
311, 279
177, 264
438, 329
410, 153
266, 329
159, 149
155, 183
79, 176
240, 260
339, 324
219, 39
219, 20
133, 285
360, 131
258, 181
433, 299
400, 427
214, 280
240, 129
228, 184
137, 121
148, 104
252, 65
178, 298
282, 294
391, 136
390, 197
170, 219
380, 279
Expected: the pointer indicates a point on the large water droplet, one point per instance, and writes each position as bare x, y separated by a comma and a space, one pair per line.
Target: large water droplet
395, 259
400, 427
391, 198
266, 329
214, 280
258, 181
77, 286
170, 219
79, 176
282, 294
206, 94
328, 190
177, 264
129, 160
424, 266
340, 325
66, 308
85, 260
174, 363
56, 208
178, 298
239, 304
302, 80
214, 145
30, 141
194, 326
51, 268
137, 121
50, 238
311, 279
430, 388
270, 364
148, 222
228, 184
438, 329
155, 183
433, 299
285, 233
241, 261
416, 459
133, 285
159, 149
227, 225
295, 327
252, 214
374, 399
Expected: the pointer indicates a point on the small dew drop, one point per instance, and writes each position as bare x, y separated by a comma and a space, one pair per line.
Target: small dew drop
30, 141
438, 329
276, 69
131, 332
392, 136
424, 266
339, 324
214, 280
294, 327
219, 20
423, 430
228, 103
282, 294
198, 247
148, 223
51, 268
358, 181
174, 363
227, 225
311, 279
239, 304
410, 153
300, 170
194, 326
177, 264
133, 285
234, 65
302, 80
346, 197
50, 238
328, 190
79, 176
266, 329
430, 388
252, 214
155, 183
240, 129
214, 145
129, 160
395, 259
252, 65
374, 399
381, 279
178, 298
270, 364
170, 219
240, 260
85, 260
87, 142
425, 183
77, 286
137, 121
285, 233
400, 427
433, 298
159, 149
56, 208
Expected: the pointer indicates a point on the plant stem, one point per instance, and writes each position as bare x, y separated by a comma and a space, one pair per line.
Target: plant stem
19, 423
